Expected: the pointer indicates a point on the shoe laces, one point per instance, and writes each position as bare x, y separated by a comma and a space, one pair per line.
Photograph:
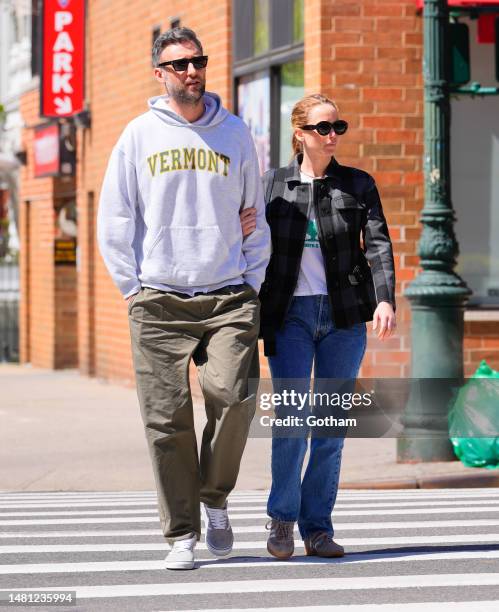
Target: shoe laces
280, 529
321, 537
218, 517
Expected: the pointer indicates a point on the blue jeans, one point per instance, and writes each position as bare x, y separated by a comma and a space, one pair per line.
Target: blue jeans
309, 335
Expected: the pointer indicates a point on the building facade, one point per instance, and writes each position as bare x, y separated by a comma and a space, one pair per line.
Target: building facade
15, 79
264, 54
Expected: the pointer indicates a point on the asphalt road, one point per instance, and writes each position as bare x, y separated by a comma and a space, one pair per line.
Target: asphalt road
407, 551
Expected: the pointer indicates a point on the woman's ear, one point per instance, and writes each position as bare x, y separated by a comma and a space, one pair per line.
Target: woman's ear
299, 134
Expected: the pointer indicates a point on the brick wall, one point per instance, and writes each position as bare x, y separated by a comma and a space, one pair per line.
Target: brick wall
36, 219
481, 342
119, 81
48, 293
365, 55
65, 314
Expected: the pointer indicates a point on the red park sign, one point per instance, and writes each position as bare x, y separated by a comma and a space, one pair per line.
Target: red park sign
63, 64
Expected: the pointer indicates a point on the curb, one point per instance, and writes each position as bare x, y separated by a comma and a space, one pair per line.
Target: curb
449, 481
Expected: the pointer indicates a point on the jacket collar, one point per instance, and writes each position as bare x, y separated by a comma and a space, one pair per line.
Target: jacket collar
292, 172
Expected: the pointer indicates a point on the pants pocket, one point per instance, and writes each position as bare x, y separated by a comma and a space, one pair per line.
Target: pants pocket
131, 302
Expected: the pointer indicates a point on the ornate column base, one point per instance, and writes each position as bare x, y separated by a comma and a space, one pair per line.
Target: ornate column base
437, 301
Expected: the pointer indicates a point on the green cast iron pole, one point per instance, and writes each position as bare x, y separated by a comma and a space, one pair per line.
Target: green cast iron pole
437, 295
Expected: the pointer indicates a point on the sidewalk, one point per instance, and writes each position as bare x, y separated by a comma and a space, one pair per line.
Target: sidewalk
62, 431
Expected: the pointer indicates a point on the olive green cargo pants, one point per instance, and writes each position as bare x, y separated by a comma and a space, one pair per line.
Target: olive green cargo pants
219, 330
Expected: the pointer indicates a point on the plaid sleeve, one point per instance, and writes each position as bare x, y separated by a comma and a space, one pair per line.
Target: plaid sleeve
378, 247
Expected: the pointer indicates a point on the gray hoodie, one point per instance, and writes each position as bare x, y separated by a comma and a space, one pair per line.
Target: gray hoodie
170, 201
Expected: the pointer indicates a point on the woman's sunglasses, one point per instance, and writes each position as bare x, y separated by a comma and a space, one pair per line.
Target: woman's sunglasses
324, 127
180, 65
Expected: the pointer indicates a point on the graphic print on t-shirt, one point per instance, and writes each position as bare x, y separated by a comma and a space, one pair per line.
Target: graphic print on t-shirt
312, 238
312, 275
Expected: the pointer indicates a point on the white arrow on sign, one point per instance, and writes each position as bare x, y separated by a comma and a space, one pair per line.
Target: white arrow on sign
63, 105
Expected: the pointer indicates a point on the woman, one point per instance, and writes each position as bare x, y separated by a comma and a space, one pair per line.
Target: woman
321, 287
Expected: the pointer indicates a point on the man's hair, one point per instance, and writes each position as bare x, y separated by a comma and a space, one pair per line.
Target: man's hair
174, 36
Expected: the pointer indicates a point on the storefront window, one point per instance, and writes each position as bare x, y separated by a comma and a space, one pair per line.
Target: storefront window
475, 180
268, 72
253, 95
292, 89
298, 21
261, 37
262, 26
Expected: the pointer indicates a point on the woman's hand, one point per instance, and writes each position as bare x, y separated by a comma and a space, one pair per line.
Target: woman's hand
248, 221
384, 317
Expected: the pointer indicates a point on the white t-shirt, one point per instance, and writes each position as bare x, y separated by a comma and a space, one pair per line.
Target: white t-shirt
312, 276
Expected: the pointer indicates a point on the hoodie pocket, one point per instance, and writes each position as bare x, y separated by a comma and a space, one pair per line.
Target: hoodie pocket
185, 255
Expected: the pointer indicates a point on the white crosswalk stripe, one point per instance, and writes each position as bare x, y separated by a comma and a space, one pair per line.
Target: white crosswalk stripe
129, 566
261, 506
260, 528
406, 551
282, 586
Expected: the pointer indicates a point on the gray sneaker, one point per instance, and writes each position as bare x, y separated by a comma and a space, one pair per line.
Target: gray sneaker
281, 543
219, 537
181, 556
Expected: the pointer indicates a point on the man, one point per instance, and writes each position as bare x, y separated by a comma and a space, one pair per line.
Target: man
170, 234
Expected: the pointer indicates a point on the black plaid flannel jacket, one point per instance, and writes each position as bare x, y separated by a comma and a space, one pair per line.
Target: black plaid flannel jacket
347, 205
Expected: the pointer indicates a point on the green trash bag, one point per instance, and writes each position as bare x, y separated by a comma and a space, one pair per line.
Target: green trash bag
474, 420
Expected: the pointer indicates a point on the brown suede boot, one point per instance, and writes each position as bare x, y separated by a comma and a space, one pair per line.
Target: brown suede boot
280, 543
321, 544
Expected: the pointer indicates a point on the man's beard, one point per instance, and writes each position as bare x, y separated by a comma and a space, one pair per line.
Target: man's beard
184, 97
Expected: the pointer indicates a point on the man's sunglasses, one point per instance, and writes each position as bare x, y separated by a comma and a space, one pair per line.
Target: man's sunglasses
180, 65
324, 127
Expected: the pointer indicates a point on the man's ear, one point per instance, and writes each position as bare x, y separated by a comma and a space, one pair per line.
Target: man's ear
159, 75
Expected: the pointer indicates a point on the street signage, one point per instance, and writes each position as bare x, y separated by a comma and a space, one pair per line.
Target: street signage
463, 3
63, 58
46, 150
54, 150
460, 53
497, 48
65, 251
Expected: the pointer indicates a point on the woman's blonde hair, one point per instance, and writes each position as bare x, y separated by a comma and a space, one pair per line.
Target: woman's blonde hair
299, 115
